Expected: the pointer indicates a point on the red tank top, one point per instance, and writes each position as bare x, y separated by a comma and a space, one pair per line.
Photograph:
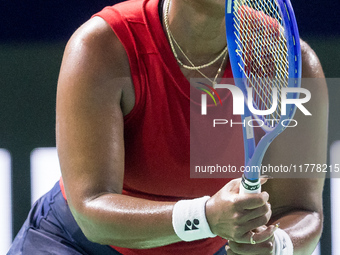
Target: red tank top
157, 130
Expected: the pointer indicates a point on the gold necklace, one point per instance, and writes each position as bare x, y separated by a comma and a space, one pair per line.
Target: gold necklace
172, 39
213, 82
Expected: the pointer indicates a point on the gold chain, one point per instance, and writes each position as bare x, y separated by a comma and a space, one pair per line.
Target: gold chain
218, 72
213, 82
172, 39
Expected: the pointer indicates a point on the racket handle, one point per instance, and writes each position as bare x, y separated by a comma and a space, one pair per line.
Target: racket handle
250, 187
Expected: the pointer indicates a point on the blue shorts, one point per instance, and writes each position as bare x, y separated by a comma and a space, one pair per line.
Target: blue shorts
51, 229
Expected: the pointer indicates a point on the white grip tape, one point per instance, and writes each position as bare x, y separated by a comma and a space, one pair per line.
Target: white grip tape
189, 220
252, 188
283, 243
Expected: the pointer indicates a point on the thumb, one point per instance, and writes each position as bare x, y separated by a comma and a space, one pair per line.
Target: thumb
265, 178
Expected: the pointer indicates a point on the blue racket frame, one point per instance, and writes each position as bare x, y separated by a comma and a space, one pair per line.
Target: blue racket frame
255, 153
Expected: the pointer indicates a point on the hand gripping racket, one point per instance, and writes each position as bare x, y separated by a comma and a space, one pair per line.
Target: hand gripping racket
265, 57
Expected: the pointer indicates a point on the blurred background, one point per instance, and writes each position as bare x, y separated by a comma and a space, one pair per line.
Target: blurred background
33, 35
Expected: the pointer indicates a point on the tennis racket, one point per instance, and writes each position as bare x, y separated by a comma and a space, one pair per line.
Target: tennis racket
265, 56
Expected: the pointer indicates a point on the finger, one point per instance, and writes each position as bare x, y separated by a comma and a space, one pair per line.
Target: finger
260, 229
264, 234
229, 251
247, 215
243, 226
259, 235
265, 178
243, 231
251, 201
263, 248
269, 213
255, 223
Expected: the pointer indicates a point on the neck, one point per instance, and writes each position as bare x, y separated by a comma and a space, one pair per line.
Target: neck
198, 26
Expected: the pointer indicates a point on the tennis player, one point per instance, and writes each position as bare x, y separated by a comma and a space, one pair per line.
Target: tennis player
123, 142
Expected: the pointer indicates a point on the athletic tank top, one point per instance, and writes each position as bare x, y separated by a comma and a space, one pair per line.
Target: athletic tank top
157, 130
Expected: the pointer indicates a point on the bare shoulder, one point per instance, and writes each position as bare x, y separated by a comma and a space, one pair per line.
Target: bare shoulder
96, 47
311, 66
313, 78
95, 56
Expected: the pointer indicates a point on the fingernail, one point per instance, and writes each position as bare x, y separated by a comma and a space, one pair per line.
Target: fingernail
266, 195
267, 177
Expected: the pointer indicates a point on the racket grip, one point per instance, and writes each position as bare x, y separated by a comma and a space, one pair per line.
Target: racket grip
250, 187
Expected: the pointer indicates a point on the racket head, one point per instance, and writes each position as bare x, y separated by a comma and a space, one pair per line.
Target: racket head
264, 51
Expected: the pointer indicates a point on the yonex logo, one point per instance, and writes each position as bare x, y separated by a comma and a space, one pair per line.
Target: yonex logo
284, 244
191, 225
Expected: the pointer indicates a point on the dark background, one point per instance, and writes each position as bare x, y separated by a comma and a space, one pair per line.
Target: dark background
55, 20
33, 35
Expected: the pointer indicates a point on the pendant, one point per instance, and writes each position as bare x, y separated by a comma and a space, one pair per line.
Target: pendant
213, 85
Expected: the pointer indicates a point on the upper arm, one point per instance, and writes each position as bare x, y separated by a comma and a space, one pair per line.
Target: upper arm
89, 128
304, 144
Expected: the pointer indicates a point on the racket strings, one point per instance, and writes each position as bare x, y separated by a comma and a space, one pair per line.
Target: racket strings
265, 66
263, 50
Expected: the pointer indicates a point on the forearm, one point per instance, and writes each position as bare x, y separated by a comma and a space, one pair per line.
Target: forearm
125, 221
303, 227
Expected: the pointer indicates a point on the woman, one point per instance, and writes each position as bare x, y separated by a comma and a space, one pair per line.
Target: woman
123, 142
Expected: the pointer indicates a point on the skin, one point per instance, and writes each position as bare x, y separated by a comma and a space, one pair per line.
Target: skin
95, 91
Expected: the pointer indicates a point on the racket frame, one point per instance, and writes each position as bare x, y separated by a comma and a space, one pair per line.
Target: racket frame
254, 153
